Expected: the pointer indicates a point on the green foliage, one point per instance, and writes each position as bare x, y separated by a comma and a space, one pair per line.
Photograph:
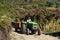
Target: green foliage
49, 4
57, 5
13, 9
4, 20
40, 3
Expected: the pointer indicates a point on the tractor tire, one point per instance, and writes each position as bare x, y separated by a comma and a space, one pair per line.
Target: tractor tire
16, 29
27, 31
33, 32
39, 32
23, 29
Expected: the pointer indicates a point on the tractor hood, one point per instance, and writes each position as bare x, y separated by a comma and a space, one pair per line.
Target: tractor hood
29, 22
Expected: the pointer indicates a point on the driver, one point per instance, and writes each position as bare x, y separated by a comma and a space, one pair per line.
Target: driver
28, 20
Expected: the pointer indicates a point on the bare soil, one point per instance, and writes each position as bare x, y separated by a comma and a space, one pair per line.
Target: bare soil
18, 36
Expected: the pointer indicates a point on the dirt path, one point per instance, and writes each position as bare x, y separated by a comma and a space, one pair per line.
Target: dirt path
17, 36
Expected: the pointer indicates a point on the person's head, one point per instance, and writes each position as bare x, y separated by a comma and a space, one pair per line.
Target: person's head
28, 17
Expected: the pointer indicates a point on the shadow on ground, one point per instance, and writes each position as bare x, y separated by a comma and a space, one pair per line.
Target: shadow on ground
55, 34
22, 33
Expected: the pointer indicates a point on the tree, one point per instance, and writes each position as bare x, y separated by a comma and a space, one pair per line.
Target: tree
30, 1
57, 5
49, 4
25, 0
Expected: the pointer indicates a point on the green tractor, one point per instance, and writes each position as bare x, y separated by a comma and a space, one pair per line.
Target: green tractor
27, 27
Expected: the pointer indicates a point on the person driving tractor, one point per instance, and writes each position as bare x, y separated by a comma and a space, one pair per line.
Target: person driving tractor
27, 26
28, 20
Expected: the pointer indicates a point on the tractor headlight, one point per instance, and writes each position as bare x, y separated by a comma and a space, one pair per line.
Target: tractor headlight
35, 26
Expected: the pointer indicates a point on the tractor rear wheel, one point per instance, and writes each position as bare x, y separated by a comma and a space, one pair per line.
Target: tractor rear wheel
16, 29
23, 28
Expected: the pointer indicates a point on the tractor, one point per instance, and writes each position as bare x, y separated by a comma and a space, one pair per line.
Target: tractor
27, 27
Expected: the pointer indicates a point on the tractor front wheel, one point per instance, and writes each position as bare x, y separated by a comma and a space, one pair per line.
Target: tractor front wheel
39, 32
27, 31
